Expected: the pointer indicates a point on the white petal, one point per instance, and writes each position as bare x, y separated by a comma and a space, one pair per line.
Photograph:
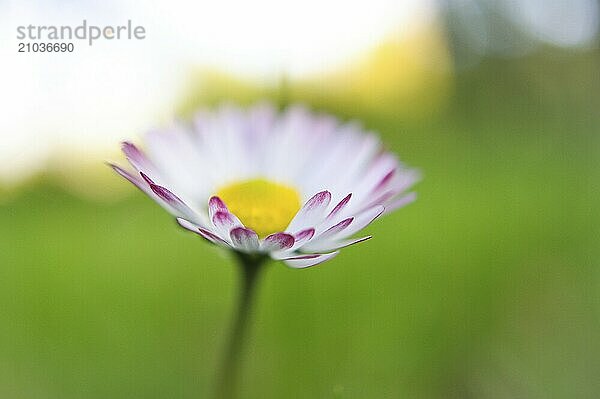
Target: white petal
312, 212
303, 261
244, 239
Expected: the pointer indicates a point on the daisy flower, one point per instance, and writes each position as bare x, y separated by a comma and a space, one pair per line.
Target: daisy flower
295, 186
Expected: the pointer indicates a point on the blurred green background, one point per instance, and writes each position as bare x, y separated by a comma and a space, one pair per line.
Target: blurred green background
487, 287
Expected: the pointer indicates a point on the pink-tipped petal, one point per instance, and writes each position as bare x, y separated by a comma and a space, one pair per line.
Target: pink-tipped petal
146, 178
210, 236
204, 233
136, 181
224, 222
311, 212
161, 195
304, 261
173, 201
216, 204
186, 224
384, 180
339, 236
244, 239
318, 201
304, 235
334, 230
136, 157
361, 220
277, 242
340, 206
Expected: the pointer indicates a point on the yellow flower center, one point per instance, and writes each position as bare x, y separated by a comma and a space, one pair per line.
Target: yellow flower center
262, 205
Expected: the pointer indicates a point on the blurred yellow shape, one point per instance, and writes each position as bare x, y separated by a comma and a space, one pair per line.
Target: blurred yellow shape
408, 75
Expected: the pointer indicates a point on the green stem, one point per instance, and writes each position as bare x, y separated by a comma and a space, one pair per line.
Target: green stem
227, 378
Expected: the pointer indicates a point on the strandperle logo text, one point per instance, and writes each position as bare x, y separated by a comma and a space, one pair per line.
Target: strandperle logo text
81, 32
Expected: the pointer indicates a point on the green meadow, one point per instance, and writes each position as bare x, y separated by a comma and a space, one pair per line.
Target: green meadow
487, 287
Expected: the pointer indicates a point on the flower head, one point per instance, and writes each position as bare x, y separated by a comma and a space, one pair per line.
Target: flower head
296, 186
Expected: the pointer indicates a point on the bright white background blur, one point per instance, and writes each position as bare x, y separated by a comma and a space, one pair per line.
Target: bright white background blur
90, 99
83, 103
